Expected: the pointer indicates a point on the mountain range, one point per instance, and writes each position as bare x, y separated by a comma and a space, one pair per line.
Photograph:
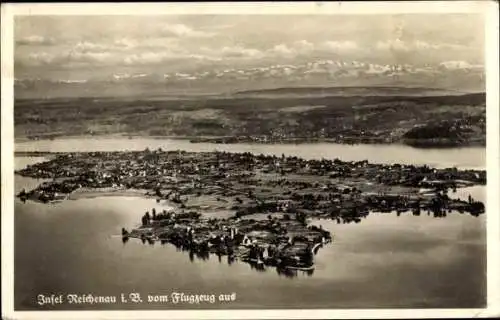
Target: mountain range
451, 77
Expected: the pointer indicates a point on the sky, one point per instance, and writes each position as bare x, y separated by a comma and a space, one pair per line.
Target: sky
197, 49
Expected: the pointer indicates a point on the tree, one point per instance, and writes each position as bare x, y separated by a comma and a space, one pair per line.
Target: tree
301, 217
308, 255
158, 192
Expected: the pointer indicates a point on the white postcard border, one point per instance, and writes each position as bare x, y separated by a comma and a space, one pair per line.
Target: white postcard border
488, 8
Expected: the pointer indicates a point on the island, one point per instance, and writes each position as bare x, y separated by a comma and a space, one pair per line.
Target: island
258, 209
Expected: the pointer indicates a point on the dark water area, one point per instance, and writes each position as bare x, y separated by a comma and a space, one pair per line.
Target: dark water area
385, 261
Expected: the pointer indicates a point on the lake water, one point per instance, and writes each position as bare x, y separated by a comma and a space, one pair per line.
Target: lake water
385, 261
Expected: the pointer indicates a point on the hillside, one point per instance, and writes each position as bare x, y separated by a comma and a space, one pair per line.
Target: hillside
343, 119
348, 91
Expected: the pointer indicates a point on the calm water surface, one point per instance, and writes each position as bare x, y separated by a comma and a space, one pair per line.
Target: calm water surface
385, 261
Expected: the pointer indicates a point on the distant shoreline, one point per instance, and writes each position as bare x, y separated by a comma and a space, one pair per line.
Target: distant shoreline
448, 121
415, 143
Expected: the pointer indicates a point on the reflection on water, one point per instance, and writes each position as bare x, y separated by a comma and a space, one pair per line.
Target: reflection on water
384, 261
293, 273
228, 259
289, 271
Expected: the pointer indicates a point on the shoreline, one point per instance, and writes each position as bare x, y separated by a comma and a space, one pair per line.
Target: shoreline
88, 193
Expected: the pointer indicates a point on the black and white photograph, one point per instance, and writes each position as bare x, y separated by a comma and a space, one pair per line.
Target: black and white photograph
264, 157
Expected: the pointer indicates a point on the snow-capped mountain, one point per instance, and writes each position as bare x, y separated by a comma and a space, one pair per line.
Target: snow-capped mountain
456, 75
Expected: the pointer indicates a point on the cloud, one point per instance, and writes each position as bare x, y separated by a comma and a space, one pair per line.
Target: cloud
122, 51
292, 49
393, 45
457, 65
169, 52
241, 52
151, 58
68, 58
181, 30
414, 46
338, 46
126, 43
146, 58
282, 49
185, 76
422, 45
36, 40
145, 43
86, 46
231, 52
86, 57
39, 58
304, 47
